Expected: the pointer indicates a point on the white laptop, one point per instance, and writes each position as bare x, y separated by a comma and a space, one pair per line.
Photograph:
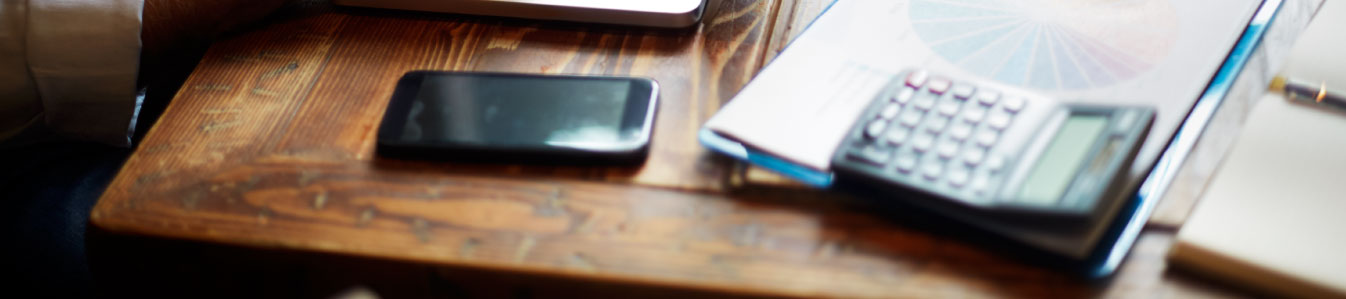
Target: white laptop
655, 13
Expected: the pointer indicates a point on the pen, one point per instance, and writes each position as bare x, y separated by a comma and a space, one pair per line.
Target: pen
1315, 94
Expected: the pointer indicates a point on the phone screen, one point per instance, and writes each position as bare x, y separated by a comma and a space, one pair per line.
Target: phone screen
501, 110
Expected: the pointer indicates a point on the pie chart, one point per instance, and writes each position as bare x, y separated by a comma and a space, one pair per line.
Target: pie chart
1048, 44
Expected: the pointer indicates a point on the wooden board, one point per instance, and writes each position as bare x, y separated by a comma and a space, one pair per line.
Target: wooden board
270, 145
312, 90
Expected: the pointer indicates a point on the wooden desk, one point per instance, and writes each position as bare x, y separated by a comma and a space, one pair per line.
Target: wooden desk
269, 144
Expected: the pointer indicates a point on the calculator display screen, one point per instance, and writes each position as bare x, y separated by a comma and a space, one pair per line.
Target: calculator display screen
1058, 165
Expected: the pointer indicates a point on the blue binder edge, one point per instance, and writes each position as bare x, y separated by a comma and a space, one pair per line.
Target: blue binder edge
1171, 160
734, 149
1126, 228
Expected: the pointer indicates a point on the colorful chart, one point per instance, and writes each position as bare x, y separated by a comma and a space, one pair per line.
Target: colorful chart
1049, 44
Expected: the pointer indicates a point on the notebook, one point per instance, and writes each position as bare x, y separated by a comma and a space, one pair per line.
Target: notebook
656, 13
1275, 214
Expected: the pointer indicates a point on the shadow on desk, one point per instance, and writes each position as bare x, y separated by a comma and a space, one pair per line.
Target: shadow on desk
134, 266
141, 267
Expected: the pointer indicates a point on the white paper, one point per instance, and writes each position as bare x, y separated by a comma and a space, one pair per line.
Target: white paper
1159, 53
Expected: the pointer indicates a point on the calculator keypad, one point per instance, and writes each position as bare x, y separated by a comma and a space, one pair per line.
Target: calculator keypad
933, 131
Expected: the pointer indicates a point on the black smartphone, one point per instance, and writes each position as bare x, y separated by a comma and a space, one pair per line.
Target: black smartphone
498, 117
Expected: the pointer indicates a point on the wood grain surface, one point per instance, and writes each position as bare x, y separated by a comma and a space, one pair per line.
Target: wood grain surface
269, 144
313, 89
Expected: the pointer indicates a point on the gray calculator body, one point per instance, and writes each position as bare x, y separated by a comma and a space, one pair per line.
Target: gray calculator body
992, 148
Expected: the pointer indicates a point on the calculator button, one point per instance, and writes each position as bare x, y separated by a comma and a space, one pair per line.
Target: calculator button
1015, 104
923, 142
875, 128
932, 171
987, 98
940, 85
904, 96
987, 138
980, 184
974, 114
897, 136
936, 124
999, 120
974, 156
959, 176
906, 162
917, 79
911, 118
960, 131
870, 155
890, 111
925, 102
994, 164
963, 92
948, 108
947, 150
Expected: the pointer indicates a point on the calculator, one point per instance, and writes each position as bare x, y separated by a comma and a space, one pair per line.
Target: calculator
992, 148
